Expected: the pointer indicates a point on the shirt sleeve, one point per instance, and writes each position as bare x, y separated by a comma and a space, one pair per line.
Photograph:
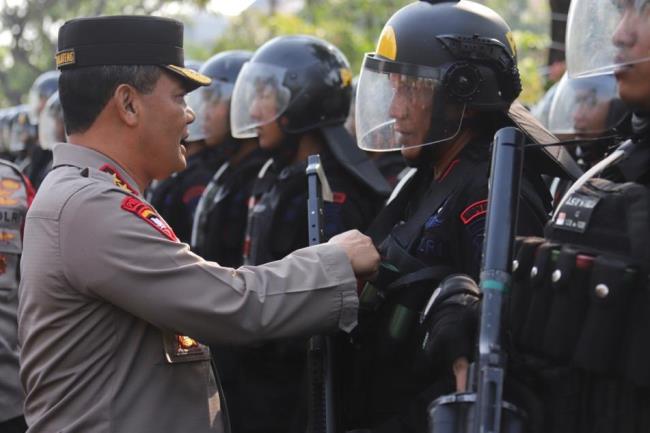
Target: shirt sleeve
115, 255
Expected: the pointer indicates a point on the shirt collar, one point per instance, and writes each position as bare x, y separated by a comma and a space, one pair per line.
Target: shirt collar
81, 156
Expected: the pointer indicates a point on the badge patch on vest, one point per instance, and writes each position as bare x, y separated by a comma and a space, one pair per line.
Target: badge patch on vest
473, 211
117, 179
148, 214
576, 212
180, 348
8, 187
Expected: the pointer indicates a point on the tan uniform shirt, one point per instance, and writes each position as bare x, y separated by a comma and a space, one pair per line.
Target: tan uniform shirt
107, 293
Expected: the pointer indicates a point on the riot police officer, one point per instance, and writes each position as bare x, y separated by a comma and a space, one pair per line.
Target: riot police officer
38, 159
220, 220
294, 96
177, 197
442, 80
579, 308
587, 108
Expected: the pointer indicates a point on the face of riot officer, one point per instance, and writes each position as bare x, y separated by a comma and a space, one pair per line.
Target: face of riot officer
632, 39
411, 108
591, 112
263, 107
216, 125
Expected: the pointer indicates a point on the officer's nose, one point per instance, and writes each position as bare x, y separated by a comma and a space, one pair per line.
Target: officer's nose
625, 32
398, 106
190, 115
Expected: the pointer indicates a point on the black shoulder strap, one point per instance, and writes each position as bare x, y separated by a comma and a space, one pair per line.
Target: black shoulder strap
435, 197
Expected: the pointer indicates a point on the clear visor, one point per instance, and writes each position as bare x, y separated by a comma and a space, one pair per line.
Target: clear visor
258, 98
605, 35
586, 107
197, 102
50, 124
400, 106
35, 103
21, 132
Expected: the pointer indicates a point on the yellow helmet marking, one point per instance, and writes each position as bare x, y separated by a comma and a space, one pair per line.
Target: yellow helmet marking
387, 45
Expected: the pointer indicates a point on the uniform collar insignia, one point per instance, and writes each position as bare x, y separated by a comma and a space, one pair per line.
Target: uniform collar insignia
117, 179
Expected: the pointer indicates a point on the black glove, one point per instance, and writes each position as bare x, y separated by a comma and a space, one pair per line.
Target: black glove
450, 322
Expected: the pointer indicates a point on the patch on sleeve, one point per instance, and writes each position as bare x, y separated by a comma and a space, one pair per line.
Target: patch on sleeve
473, 211
117, 179
148, 214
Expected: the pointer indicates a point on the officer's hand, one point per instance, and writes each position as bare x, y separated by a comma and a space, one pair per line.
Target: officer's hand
363, 255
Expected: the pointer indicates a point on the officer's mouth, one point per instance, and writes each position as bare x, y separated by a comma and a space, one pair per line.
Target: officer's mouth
183, 144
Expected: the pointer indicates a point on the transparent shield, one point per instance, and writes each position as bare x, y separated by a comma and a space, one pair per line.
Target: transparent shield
50, 124
35, 103
197, 102
601, 35
258, 98
586, 107
394, 110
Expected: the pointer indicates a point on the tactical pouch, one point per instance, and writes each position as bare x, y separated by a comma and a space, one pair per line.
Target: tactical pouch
602, 332
532, 335
567, 311
520, 295
636, 359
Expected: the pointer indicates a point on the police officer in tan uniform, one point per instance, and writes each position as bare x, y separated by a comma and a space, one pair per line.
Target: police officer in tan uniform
114, 311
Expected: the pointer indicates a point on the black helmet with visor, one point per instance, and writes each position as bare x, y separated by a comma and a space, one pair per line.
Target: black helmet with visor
433, 61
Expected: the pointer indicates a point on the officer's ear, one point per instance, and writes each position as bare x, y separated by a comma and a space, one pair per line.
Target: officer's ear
127, 103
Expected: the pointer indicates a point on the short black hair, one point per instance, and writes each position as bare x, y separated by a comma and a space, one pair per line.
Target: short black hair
85, 91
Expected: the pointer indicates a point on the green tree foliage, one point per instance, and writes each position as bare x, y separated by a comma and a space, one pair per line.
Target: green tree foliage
355, 25
32, 26
352, 25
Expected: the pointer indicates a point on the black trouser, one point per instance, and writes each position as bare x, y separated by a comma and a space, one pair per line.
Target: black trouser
14, 425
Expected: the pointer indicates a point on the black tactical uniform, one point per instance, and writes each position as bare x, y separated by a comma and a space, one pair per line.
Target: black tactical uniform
39, 157
579, 308
176, 197
265, 386
434, 226
220, 220
220, 223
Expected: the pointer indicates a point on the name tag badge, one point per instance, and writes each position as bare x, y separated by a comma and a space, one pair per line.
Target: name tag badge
180, 348
576, 213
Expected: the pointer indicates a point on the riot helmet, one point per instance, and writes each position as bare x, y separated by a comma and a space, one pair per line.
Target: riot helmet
5, 113
22, 131
213, 102
434, 61
44, 86
51, 129
302, 82
586, 107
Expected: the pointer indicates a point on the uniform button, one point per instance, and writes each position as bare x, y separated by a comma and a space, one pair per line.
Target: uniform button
533, 272
601, 290
556, 276
515, 265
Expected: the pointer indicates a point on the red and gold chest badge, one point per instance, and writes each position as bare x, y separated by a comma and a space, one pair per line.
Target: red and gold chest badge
148, 214
180, 348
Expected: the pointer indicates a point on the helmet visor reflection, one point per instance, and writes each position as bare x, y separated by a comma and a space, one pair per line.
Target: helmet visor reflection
259, 98
400, 105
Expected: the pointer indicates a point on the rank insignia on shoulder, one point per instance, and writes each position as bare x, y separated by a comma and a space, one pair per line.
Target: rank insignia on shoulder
473, 211
148, 214
117, 179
